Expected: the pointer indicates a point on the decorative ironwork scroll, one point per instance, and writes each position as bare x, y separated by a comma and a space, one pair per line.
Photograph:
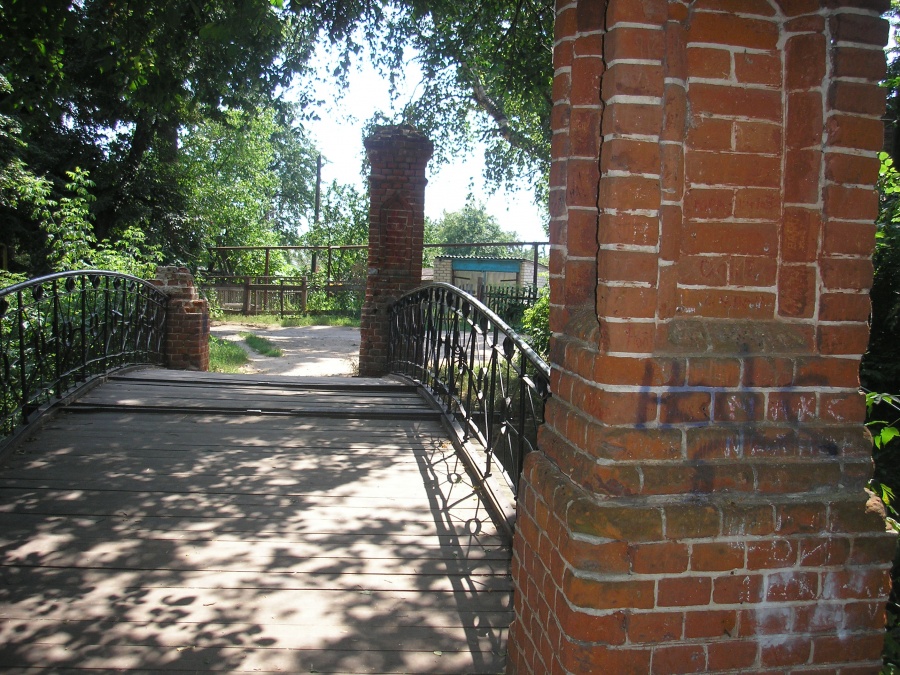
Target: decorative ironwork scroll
476, 367
59, 330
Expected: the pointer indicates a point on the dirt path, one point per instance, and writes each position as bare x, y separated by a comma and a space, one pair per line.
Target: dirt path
308, 350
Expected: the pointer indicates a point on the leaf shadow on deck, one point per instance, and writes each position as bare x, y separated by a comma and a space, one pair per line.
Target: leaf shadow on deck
246, 543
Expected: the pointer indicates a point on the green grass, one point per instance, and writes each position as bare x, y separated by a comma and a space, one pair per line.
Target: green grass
261, 345
225, 356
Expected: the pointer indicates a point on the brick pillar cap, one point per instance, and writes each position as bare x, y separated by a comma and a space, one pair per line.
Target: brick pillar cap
390, 134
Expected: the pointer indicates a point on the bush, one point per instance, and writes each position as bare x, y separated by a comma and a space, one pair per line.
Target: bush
536, 322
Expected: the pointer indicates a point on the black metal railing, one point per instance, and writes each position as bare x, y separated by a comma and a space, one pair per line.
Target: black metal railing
481, 372
59, 330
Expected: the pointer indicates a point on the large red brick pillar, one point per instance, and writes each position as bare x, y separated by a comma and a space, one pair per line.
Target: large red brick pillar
398, 156
697, 504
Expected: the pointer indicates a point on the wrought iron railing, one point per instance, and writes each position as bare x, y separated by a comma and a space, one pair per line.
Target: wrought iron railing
59, 330
482, 373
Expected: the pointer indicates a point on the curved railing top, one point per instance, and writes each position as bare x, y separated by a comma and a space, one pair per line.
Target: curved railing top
98, 274
492, 316
61, 329
485, 375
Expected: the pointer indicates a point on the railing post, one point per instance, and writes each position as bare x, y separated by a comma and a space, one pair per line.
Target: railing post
304, 294
245, 309
57, 342
23, 375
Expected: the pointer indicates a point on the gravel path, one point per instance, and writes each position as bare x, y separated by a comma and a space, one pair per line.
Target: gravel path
316, 351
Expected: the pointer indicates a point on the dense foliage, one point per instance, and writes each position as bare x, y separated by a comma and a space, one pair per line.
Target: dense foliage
174, 111
471, 224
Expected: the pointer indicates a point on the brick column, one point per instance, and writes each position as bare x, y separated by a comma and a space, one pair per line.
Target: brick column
398, 156
187, 320
697, 504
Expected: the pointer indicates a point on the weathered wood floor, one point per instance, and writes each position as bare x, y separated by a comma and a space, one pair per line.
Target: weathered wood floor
189, 522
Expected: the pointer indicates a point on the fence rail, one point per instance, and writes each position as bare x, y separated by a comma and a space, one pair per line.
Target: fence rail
477, 368
279, 295
59, 330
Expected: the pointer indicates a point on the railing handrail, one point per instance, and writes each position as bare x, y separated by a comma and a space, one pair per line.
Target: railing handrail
505, 328
74, 273
490, 383
65, 328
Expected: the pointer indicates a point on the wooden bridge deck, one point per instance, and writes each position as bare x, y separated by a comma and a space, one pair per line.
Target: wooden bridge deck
174, 521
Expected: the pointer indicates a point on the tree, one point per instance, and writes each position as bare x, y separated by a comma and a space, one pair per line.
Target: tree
470, 225
107, 85
487, 70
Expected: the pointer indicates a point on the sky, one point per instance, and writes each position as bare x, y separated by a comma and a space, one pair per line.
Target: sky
338, 136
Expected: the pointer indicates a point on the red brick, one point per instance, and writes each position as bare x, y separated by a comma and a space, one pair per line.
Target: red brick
791, 407
586, 658
707, 133
628, 229
726, 29
859, 28
801, 178
712, 372
627, 266
619, 523
822, 552
855, 97
792, 586
710, 624
676, 408
757, 137
757, 204
585, 82
732, 655
805, 122
674, 113
706, 203
655, 627
739, 407
608, 629
679, 659
629, 193
625, 444
691, 522
703, 270
664, 558
758, 68
731, 101
630, 155
847, 273
797, 291
737, 589
859, 63
684, 591
634, 43
844, 307
727, 304
805, 61
627, 79
848, 131
632, 118
800, 234
849, 238
709, 63
718, 168
730, 238
716, 557
834, 649
710, 443
843, 339
785, 652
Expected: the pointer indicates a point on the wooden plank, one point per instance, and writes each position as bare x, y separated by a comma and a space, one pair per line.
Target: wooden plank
18, 528
242, 542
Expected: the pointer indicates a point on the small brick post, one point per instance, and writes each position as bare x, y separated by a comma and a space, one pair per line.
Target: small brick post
398, 156
697, 502
187, 320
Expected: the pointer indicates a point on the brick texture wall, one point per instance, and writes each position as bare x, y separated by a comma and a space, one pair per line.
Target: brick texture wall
697, 504
398, 156
187, 320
